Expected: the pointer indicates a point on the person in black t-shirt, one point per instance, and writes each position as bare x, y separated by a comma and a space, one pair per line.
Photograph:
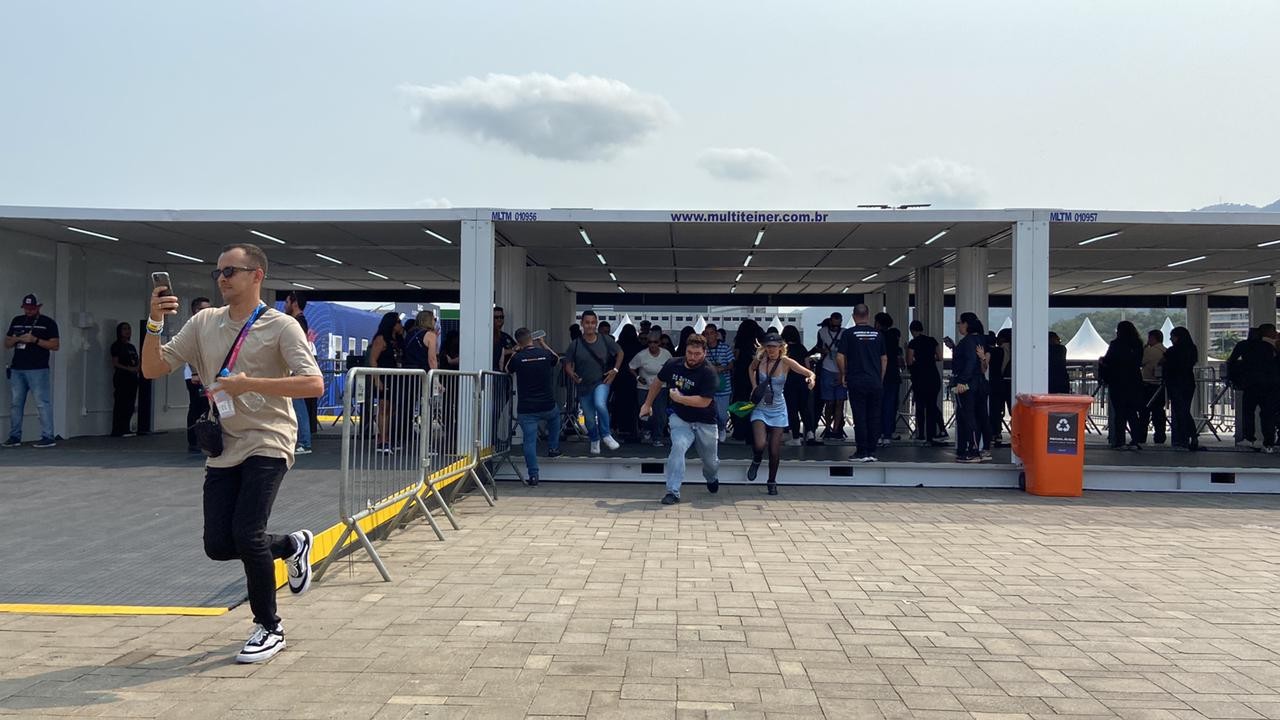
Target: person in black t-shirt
534, 365
31, 336
124, 358
923, 355
691, 386
862, 362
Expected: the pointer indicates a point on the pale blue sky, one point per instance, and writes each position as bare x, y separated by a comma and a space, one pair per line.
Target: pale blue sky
1143, 105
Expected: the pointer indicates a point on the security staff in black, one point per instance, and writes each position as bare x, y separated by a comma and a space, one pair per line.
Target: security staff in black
862, 361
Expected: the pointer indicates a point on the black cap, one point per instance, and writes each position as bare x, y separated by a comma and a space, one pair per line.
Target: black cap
30, 300
772, 338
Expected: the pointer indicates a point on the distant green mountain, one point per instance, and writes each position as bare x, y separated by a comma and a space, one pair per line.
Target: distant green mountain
1241, 207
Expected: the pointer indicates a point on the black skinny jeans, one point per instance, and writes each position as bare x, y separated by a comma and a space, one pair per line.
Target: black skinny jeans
799, 408
125, 385
237, 504
928, 414
1183, 426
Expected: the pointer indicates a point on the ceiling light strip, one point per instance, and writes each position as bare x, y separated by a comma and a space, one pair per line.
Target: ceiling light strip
267, 237
92, 233
184, 257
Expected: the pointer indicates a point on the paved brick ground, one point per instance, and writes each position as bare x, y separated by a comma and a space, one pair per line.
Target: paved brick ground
594, 601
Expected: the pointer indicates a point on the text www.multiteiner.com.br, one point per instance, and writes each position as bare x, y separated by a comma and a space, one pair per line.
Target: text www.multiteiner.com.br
749, 217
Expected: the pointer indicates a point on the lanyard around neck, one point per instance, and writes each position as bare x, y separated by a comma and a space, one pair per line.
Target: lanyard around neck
244, 333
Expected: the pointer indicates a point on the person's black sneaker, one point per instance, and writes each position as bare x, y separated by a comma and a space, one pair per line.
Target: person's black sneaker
753, 471
969, 459
11, 443
45, 443
532, 481
670, 499
262, 645
856, 457
299, 563
773, 488
554, 453
713, 486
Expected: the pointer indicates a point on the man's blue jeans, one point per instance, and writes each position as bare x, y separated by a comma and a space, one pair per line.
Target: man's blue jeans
683, 436
304, 422
595, 410
38, 382
529, 432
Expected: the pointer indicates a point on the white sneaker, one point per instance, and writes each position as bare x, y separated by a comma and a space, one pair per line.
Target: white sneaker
595, 447
809, 435
610, 443
302, 450
794, 442
262, 645
722, 436
299, 563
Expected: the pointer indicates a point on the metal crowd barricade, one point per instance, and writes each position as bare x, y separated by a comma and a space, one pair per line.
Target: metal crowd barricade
453, 449
383, 451
497, 426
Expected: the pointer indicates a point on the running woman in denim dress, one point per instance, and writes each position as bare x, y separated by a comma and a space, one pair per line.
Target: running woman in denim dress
770, 369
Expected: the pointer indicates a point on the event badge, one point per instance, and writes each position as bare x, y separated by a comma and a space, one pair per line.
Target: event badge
225, 403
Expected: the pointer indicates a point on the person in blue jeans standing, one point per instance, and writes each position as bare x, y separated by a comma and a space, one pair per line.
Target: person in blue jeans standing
534, 365
690, 384
593, 361
32, 337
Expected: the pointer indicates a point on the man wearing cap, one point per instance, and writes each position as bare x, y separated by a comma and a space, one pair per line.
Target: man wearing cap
32, 336
534, 366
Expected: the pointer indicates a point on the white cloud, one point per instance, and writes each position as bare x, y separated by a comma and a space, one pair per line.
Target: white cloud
579, 117
740, 164
433, 203
941, 182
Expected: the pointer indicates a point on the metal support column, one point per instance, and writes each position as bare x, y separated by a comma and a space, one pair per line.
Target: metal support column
1262, 304
1030, 307
476, 297
971, 283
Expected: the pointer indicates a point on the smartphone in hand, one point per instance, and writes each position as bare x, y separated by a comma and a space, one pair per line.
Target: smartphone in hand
161, 280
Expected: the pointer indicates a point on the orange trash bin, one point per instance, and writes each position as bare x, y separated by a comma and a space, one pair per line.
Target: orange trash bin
1048, 435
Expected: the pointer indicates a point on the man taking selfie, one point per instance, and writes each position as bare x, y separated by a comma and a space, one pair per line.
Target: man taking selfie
254, 360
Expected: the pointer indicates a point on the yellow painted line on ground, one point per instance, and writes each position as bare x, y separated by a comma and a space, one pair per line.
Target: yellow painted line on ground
38, 609
325, 540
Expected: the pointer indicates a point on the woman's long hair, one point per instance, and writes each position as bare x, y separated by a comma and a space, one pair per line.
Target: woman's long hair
119, 331
1126, 332
685, 332
387, 326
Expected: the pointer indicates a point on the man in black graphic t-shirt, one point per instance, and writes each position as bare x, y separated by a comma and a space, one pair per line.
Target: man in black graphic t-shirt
534, 366
863, 361
691, 386
31, 336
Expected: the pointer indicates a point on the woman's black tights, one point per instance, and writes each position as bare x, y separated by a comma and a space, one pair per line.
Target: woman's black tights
758, 434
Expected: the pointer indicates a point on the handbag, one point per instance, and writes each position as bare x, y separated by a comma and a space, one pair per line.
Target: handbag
764, 391
207, 430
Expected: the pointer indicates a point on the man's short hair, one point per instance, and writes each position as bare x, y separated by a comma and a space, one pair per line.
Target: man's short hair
299, 299
836, 316
861, 311
522, 334
1265, 328
655, 336
1157, 334
197, 301
257, 258
585, 313
695, 340
916, 326
710, 326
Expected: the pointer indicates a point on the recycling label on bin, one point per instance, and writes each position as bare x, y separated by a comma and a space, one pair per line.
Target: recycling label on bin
1064, 433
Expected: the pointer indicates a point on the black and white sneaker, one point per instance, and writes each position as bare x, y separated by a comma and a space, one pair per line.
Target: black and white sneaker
11, 443
753, 471
45, 443
713, 486
670, 499
262, 645
299, 563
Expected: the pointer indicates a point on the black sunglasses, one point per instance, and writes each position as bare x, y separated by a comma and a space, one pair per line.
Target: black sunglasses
229, 271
